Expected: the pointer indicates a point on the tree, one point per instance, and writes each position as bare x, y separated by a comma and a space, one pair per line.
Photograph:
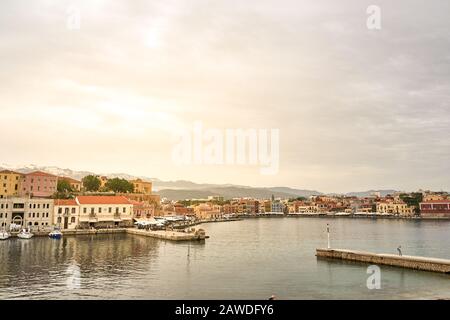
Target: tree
119, 185
64, 186
91, 183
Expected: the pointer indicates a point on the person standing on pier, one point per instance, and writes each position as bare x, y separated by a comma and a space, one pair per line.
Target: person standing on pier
399, 249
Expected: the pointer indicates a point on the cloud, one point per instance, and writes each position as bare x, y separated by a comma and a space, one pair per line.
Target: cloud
355, 107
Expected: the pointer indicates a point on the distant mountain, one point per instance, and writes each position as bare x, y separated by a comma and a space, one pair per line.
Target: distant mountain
296, 192
234, 192
383, 193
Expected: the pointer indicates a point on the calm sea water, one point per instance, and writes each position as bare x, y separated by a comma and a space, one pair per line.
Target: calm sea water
250, 259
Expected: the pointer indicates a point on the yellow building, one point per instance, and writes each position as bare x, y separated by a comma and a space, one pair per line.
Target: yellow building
10, 182
400, 208
434, 197
205, 211
74, 184
141, 186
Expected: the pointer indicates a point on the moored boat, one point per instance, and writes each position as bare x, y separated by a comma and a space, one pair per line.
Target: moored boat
55, 234
4, 235
25, 234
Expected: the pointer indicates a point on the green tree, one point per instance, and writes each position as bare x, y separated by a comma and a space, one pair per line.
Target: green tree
64, 186
119, 185
91, 183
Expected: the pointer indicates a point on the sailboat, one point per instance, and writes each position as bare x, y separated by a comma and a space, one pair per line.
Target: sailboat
3, 233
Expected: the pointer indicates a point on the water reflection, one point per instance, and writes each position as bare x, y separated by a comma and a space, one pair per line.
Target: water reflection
250, 259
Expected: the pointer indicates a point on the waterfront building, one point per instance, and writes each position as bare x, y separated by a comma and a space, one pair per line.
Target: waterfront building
5, 213
66, 214
435, 209
10, 183
277, 206
36, 213
105, 211
74, 184
142, 210
38, 184
206, 211
395, 207
181, 210
141, 186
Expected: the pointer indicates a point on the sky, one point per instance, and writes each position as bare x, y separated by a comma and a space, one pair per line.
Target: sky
106, 86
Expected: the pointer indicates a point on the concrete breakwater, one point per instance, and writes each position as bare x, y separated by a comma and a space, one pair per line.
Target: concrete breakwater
410, 262
170, 235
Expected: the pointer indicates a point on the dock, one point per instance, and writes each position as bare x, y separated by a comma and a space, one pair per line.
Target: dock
409, 262
170, 235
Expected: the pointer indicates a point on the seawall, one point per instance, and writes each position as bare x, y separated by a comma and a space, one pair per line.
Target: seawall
410, 262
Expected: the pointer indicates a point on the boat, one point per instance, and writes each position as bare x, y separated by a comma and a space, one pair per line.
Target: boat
25, 234
55, 234
4, 235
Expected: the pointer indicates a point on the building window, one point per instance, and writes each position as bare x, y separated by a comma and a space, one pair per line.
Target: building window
109, 210
59, 219
72, 220
59, 210
73, 210
124, 210
84, 210
99, 210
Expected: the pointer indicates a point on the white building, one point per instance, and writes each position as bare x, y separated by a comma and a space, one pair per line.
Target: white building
104, 211
28, 212
66, 214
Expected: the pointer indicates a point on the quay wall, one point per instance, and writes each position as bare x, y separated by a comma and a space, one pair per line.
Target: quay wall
169, 235
410, 262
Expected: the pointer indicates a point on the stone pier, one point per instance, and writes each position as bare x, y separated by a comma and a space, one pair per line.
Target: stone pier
410, 262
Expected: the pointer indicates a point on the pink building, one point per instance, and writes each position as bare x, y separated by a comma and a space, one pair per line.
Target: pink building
39, 184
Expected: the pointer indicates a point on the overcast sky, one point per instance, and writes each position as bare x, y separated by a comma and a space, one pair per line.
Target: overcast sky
356, 108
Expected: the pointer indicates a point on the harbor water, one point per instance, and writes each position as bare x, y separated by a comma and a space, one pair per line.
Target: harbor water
248, 259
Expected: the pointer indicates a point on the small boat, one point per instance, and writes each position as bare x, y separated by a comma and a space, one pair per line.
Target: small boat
4, 235
25, 234
55, 234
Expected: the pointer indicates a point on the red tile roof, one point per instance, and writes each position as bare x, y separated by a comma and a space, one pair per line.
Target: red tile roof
41, 174
102, 200
64, 202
